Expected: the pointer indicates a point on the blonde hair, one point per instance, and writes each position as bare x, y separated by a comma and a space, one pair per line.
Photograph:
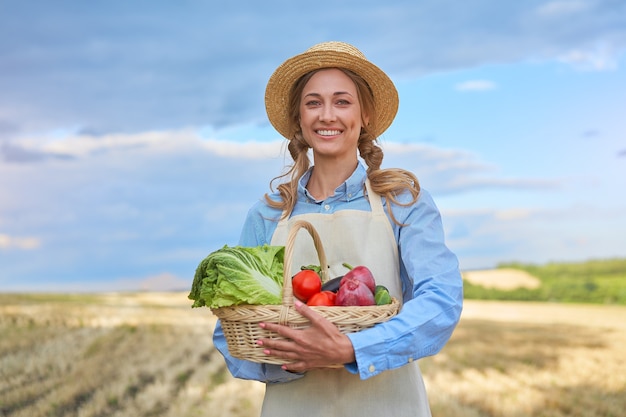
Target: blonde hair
388, 182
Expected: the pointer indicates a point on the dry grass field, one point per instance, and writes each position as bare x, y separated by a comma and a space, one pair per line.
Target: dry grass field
150, 354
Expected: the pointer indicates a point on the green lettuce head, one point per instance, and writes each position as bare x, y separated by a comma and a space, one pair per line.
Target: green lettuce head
239, 275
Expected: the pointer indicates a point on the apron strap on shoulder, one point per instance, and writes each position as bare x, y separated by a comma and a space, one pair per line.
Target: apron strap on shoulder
376, 202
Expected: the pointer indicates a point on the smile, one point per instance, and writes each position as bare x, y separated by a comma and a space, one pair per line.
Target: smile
328, 132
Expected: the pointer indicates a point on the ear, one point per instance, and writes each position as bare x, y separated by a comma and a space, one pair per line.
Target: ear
365, 119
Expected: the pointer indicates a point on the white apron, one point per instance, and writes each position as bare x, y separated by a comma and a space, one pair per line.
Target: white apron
358, 238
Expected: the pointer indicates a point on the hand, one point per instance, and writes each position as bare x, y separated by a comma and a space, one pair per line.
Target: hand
318, 346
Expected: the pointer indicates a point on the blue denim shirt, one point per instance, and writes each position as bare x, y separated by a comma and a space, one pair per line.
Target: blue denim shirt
431, 282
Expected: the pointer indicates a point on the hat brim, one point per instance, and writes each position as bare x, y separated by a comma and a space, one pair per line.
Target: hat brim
280, 84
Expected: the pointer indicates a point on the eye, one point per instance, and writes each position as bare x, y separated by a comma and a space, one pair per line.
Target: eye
343, 102
312, 103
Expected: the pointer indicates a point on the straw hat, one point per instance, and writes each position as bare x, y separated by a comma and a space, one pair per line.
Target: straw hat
329, 55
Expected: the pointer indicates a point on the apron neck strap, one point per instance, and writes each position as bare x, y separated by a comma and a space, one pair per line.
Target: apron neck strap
376, 201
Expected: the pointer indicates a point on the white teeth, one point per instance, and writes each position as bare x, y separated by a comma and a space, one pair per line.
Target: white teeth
328, 132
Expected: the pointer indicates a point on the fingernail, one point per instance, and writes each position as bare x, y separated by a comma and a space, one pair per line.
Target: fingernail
266, 351
298, 303
259, 342
262, 325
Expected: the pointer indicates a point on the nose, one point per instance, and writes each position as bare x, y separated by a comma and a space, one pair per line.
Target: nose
327, 114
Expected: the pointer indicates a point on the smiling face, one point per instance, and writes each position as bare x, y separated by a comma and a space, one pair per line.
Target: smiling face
330, 115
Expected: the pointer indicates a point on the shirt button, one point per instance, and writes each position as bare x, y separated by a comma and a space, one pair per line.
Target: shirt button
410, 360
327, 207
372, 368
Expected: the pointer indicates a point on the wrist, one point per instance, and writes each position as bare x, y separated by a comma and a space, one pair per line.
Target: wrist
347, 351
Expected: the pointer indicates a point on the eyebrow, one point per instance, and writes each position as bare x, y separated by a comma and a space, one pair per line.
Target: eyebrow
337, 93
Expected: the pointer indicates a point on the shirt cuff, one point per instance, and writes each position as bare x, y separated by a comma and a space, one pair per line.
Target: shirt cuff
372, 363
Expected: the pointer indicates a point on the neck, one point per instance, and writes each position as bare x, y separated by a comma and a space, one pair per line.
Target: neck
325, 178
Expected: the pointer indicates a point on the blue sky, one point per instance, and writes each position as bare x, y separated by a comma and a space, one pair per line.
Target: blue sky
133, 136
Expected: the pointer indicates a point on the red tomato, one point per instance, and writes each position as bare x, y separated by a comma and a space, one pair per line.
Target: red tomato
324, 298
305, 284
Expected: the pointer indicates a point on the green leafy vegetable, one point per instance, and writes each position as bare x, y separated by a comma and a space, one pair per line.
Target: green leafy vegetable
239, 275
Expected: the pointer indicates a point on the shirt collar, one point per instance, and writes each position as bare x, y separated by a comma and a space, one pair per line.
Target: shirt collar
350, 189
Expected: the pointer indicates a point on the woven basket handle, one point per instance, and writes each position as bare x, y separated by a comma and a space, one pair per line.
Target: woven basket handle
289, 248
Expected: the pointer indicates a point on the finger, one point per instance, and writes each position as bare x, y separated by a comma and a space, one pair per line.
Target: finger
284, 331
314, 317
277, 345
286, 354
280, 354
295, 367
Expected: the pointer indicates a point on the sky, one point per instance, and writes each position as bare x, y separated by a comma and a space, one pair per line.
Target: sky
134, 139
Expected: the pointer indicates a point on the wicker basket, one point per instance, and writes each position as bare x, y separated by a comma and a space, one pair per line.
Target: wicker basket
241, 323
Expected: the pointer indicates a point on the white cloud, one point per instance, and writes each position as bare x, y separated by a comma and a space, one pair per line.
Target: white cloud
484, 237
514, 214
563, 7
597, 58
475, 85
495, 181
161, 142
420, 152
82, 145
16, 242
455, 170
246, 150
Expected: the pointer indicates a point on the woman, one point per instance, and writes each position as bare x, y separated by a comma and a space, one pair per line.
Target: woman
332, 101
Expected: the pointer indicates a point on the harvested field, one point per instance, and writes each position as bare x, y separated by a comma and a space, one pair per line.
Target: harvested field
150, 354
502, 278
